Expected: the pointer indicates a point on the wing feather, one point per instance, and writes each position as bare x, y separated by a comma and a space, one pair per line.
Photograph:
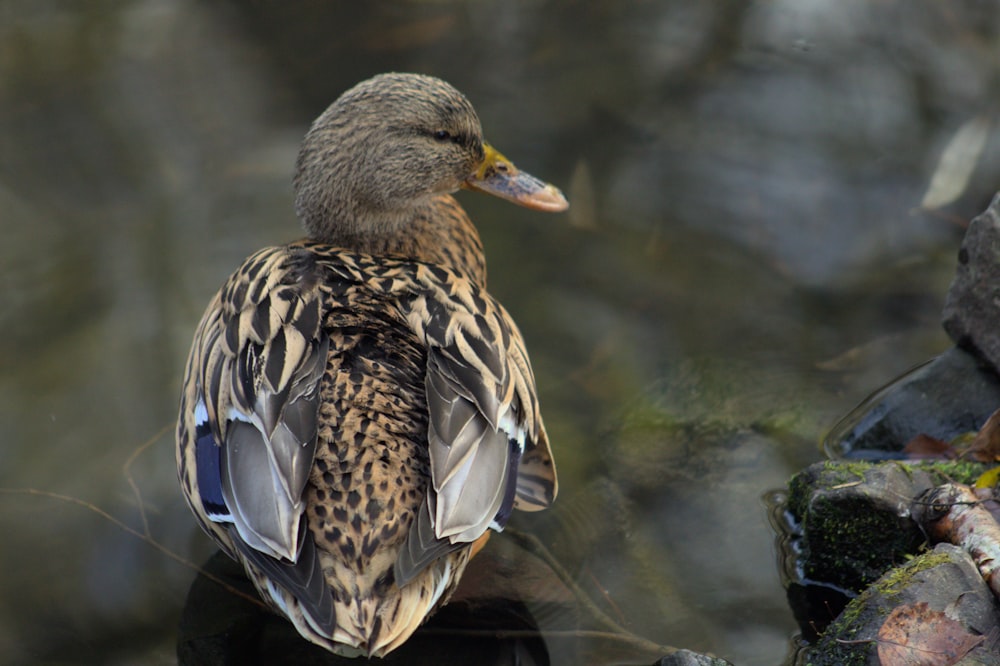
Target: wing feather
265, 356
483, 420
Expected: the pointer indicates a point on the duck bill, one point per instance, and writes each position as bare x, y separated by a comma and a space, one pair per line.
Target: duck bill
498, 176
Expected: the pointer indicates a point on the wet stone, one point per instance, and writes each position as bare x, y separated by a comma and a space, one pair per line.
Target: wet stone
849, 525
688, 658
846, 524
949, 396
946, 580
854, 520
972, 307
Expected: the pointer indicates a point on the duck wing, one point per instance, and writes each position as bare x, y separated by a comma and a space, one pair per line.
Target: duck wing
488, 450
254, 378
253, 384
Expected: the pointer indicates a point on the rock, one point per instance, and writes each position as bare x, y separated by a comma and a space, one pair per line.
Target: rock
850, 521
688, 658
947, 581
949, 396
972, 307
846, 524
956, 392
854, 519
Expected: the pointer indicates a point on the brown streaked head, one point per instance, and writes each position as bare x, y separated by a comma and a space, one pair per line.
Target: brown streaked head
389, 145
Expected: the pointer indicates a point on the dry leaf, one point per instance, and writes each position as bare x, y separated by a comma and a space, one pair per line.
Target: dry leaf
583, 212
957, 162
925, 446
985, 446
915, 635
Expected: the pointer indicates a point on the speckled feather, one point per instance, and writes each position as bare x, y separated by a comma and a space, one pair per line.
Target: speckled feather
357, 409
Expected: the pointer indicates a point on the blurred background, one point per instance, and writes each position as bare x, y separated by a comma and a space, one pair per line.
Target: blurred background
767, 201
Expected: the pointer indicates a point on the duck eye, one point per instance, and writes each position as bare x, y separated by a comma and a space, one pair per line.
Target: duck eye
442, 135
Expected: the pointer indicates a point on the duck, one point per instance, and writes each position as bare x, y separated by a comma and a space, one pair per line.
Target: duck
358, 413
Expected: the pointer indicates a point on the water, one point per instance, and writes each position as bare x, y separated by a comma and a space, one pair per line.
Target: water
743, 262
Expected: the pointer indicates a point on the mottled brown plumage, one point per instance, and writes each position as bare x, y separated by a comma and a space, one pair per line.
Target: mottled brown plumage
357, 409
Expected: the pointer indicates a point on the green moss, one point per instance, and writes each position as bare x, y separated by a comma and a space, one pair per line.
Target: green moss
898, 578
825, 474
953, 471
850, 544
855, 534
877, 601
832, 473
852, 527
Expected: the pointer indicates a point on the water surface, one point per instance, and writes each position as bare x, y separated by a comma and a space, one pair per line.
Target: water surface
744, 261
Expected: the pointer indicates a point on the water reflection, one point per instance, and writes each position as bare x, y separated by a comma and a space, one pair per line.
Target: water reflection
750, 267
218, 627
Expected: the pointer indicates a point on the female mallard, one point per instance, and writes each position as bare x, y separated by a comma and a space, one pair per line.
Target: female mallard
357, 409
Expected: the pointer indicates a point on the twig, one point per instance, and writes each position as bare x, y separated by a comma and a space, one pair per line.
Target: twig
533, 545
134, 532
127, 471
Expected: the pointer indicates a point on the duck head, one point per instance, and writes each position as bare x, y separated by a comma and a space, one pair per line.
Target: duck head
391, 144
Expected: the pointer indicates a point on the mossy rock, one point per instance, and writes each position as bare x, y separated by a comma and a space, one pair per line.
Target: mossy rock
945, 579
854, 517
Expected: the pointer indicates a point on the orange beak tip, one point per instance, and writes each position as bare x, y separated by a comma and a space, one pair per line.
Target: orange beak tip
518, 187
550, 200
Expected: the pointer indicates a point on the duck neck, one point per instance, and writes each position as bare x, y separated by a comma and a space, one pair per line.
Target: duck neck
438, 232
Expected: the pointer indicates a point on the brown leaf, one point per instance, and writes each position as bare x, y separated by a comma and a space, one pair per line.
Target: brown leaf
915, 635
985, 446
925, 446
